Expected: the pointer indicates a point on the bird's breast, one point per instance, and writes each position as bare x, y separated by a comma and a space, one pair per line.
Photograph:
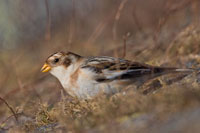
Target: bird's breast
83, 85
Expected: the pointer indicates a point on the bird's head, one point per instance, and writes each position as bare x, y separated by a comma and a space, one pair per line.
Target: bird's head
59, 61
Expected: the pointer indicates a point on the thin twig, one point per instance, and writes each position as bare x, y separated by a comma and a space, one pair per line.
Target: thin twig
4, 121
124, 47
11, 109
117, 17
124, 53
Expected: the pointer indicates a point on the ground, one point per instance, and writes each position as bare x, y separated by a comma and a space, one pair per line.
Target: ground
170, 103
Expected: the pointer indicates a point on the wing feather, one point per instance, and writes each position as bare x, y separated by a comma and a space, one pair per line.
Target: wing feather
109, 68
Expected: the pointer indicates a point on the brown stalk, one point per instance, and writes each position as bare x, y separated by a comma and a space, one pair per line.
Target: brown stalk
117, 17
124, 46
10, 108
124, 51
4, 121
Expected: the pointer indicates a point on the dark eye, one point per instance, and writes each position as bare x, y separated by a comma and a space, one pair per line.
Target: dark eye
56, 60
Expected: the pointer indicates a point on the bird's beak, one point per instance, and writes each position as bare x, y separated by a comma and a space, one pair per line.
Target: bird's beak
46, 68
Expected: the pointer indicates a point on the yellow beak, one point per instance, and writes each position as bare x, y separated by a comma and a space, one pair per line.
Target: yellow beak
46, 68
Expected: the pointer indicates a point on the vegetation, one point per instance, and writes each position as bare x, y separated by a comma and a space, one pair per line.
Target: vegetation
165, 33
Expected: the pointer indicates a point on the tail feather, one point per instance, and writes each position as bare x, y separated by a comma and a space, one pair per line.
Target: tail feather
184, 70
171, 70
158, 71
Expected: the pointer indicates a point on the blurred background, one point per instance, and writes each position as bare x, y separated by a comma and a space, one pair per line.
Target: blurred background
158, 32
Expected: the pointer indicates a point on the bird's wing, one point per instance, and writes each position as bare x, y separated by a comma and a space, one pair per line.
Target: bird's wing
109, 68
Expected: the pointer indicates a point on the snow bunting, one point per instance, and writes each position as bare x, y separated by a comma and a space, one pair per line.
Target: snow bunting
86, 77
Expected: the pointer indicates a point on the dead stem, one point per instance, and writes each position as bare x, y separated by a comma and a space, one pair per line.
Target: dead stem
11, 109
124, 47
117, 17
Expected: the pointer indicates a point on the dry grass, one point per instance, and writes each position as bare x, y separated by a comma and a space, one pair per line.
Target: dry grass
166, 104
40, 106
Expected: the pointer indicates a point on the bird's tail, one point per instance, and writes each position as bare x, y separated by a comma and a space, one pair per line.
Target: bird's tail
172, 70
184, 70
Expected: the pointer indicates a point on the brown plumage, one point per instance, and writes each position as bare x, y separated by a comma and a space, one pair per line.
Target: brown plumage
85, 77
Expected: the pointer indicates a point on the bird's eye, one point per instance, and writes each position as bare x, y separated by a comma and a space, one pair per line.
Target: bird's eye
56, 60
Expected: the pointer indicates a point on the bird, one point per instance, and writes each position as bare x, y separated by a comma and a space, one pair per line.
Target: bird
86, 77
